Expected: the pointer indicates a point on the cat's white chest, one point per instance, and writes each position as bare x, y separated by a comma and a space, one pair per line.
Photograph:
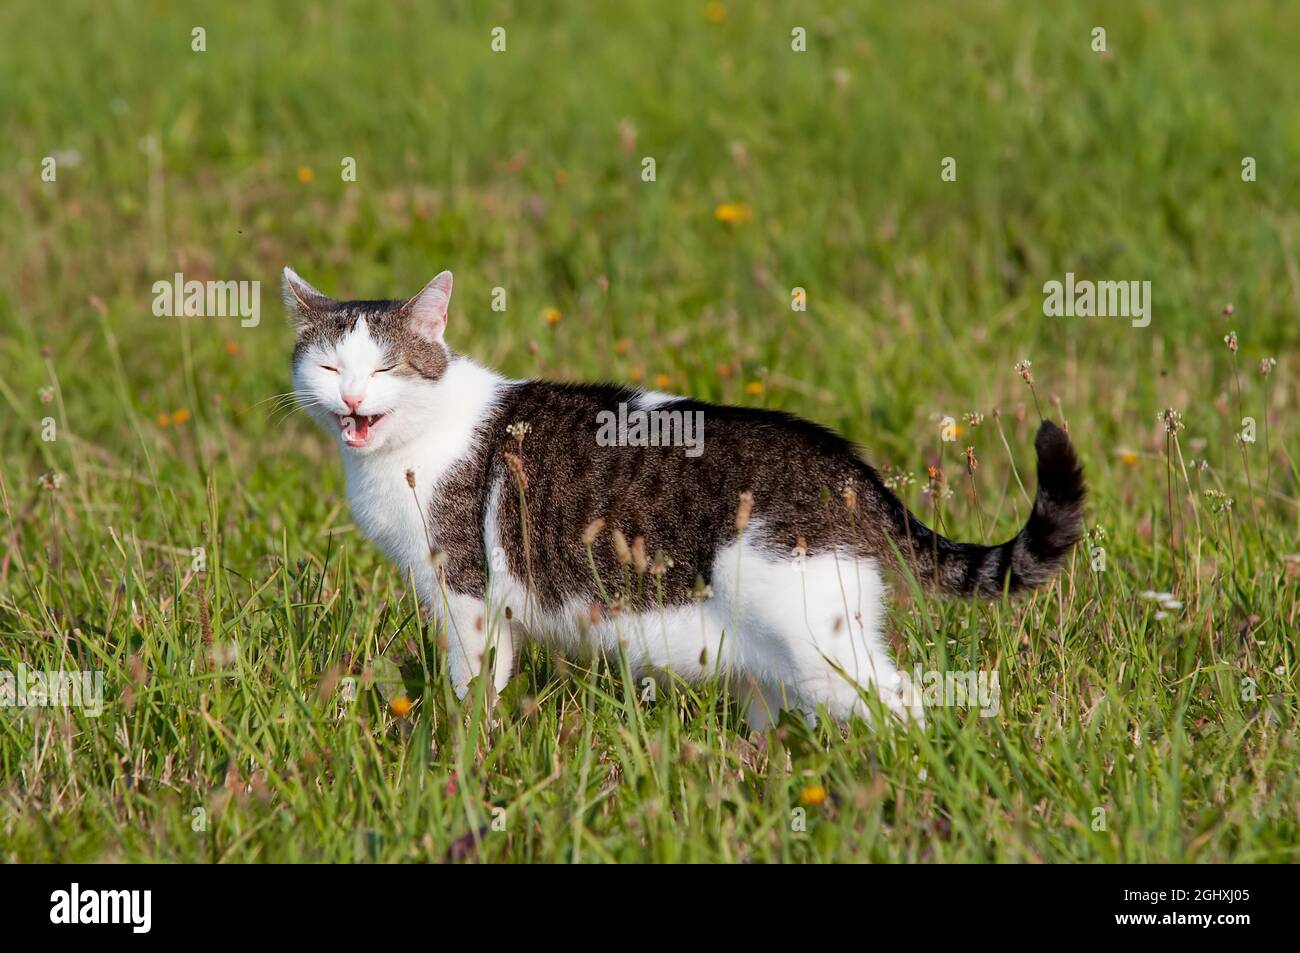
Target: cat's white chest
392, 513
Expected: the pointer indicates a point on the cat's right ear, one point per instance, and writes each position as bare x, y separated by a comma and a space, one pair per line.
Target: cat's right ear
303, 302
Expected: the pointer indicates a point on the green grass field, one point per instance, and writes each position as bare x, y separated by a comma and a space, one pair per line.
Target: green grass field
1126, 731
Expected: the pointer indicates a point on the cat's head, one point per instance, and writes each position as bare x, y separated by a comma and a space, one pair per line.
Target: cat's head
367, 370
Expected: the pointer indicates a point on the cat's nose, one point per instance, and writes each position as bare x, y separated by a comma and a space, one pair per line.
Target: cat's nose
353, 401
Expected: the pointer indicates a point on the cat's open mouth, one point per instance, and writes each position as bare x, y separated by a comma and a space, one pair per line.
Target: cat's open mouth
357, 427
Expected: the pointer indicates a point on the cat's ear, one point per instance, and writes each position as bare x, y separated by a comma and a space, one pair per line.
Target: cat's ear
303, 302
426, 313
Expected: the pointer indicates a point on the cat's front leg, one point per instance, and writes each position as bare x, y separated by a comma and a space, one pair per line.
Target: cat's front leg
473, 639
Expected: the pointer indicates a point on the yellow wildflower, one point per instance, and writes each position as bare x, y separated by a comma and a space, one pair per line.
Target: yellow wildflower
734, 213
813, 795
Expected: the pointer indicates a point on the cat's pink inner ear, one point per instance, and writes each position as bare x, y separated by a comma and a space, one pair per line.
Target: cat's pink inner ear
427, 311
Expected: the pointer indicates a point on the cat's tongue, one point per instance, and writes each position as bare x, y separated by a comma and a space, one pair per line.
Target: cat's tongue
357, 431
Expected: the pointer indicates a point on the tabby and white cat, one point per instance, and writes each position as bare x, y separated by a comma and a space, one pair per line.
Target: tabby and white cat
759, 559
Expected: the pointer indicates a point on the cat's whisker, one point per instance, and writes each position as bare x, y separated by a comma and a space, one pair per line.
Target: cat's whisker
274, 398
285, 411
280, 401
271, 405
279, 396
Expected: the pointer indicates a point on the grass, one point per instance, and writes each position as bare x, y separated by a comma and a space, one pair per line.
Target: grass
1126, 731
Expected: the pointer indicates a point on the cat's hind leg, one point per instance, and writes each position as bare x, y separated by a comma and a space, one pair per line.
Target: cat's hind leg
829, 614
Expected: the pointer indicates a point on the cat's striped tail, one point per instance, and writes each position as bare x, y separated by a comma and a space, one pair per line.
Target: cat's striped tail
1027, 560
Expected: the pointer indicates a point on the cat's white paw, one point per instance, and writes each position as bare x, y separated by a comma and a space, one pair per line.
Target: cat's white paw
904, 699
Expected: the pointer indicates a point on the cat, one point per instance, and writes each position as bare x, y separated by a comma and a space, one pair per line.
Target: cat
759, 557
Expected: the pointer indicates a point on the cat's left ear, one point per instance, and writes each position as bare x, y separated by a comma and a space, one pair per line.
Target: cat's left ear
303, 302
426, 313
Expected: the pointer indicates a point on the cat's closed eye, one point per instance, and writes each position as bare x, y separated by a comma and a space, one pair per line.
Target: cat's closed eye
383, 370
326, 367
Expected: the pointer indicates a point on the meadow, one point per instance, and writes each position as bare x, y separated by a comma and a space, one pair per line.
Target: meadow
271, 689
